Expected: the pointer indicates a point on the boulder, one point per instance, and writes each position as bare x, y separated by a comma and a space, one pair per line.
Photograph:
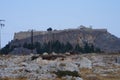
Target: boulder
84, 62
67, 53
53, 53
67, 66
78, 78
45, 53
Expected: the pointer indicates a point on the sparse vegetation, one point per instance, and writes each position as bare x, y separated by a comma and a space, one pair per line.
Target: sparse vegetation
88, 74
69, 73
58, 47
54, 46
7, 49
19, 78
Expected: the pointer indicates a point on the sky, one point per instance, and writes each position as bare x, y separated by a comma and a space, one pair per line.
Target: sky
24, 15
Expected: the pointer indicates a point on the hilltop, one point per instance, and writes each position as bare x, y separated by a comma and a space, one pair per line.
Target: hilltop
99, 38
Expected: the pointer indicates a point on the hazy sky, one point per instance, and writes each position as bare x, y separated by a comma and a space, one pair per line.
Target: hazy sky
21, 15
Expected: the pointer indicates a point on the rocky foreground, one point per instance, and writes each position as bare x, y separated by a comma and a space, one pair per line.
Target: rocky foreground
60, 67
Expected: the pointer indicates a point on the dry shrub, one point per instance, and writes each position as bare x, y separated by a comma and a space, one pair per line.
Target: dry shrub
20, 78
110, 78
85, 71
52, 57
69, 73
92, 78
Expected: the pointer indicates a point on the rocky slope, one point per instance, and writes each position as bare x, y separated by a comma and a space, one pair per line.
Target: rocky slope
62, 67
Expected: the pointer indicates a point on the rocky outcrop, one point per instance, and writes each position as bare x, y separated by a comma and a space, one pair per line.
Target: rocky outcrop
23, 66
84, 62
100, 38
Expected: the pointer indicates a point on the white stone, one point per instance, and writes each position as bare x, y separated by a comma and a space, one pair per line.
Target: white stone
23, 64
32, 66
84, 63
78, 78
45, 53
68, 77
67, 66
53, 53
44, 62
67, 53
38, 60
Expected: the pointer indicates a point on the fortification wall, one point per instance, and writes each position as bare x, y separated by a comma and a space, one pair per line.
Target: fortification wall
27, 34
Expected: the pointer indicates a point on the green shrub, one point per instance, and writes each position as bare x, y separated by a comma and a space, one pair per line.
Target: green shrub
69, 73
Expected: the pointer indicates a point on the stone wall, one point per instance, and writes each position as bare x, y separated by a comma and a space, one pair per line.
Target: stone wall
27, 34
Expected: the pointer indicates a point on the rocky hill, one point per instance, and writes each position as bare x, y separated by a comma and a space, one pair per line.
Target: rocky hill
100, 38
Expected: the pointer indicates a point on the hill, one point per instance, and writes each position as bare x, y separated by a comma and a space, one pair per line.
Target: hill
99, 38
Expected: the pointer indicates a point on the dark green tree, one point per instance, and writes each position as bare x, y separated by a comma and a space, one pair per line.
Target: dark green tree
29, 46
7, 49
92, 48
97, 50
68, 47
86, 48
25, 45
56, 46
78, 49
38, 47
49, 29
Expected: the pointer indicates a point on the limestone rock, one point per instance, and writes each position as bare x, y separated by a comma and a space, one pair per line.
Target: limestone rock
45, 53
78, 78
84, 62
67, 66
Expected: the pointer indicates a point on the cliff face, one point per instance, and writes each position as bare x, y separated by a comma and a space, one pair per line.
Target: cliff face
100, 38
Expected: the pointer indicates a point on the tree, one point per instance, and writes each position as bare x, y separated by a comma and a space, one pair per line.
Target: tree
25, 45
92, 48
53, 46
38, 47
62, 48
7, 49
87, 48
56, 46
29, 46
97, 50
68, 47
45, 48
78, 49
49, 29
